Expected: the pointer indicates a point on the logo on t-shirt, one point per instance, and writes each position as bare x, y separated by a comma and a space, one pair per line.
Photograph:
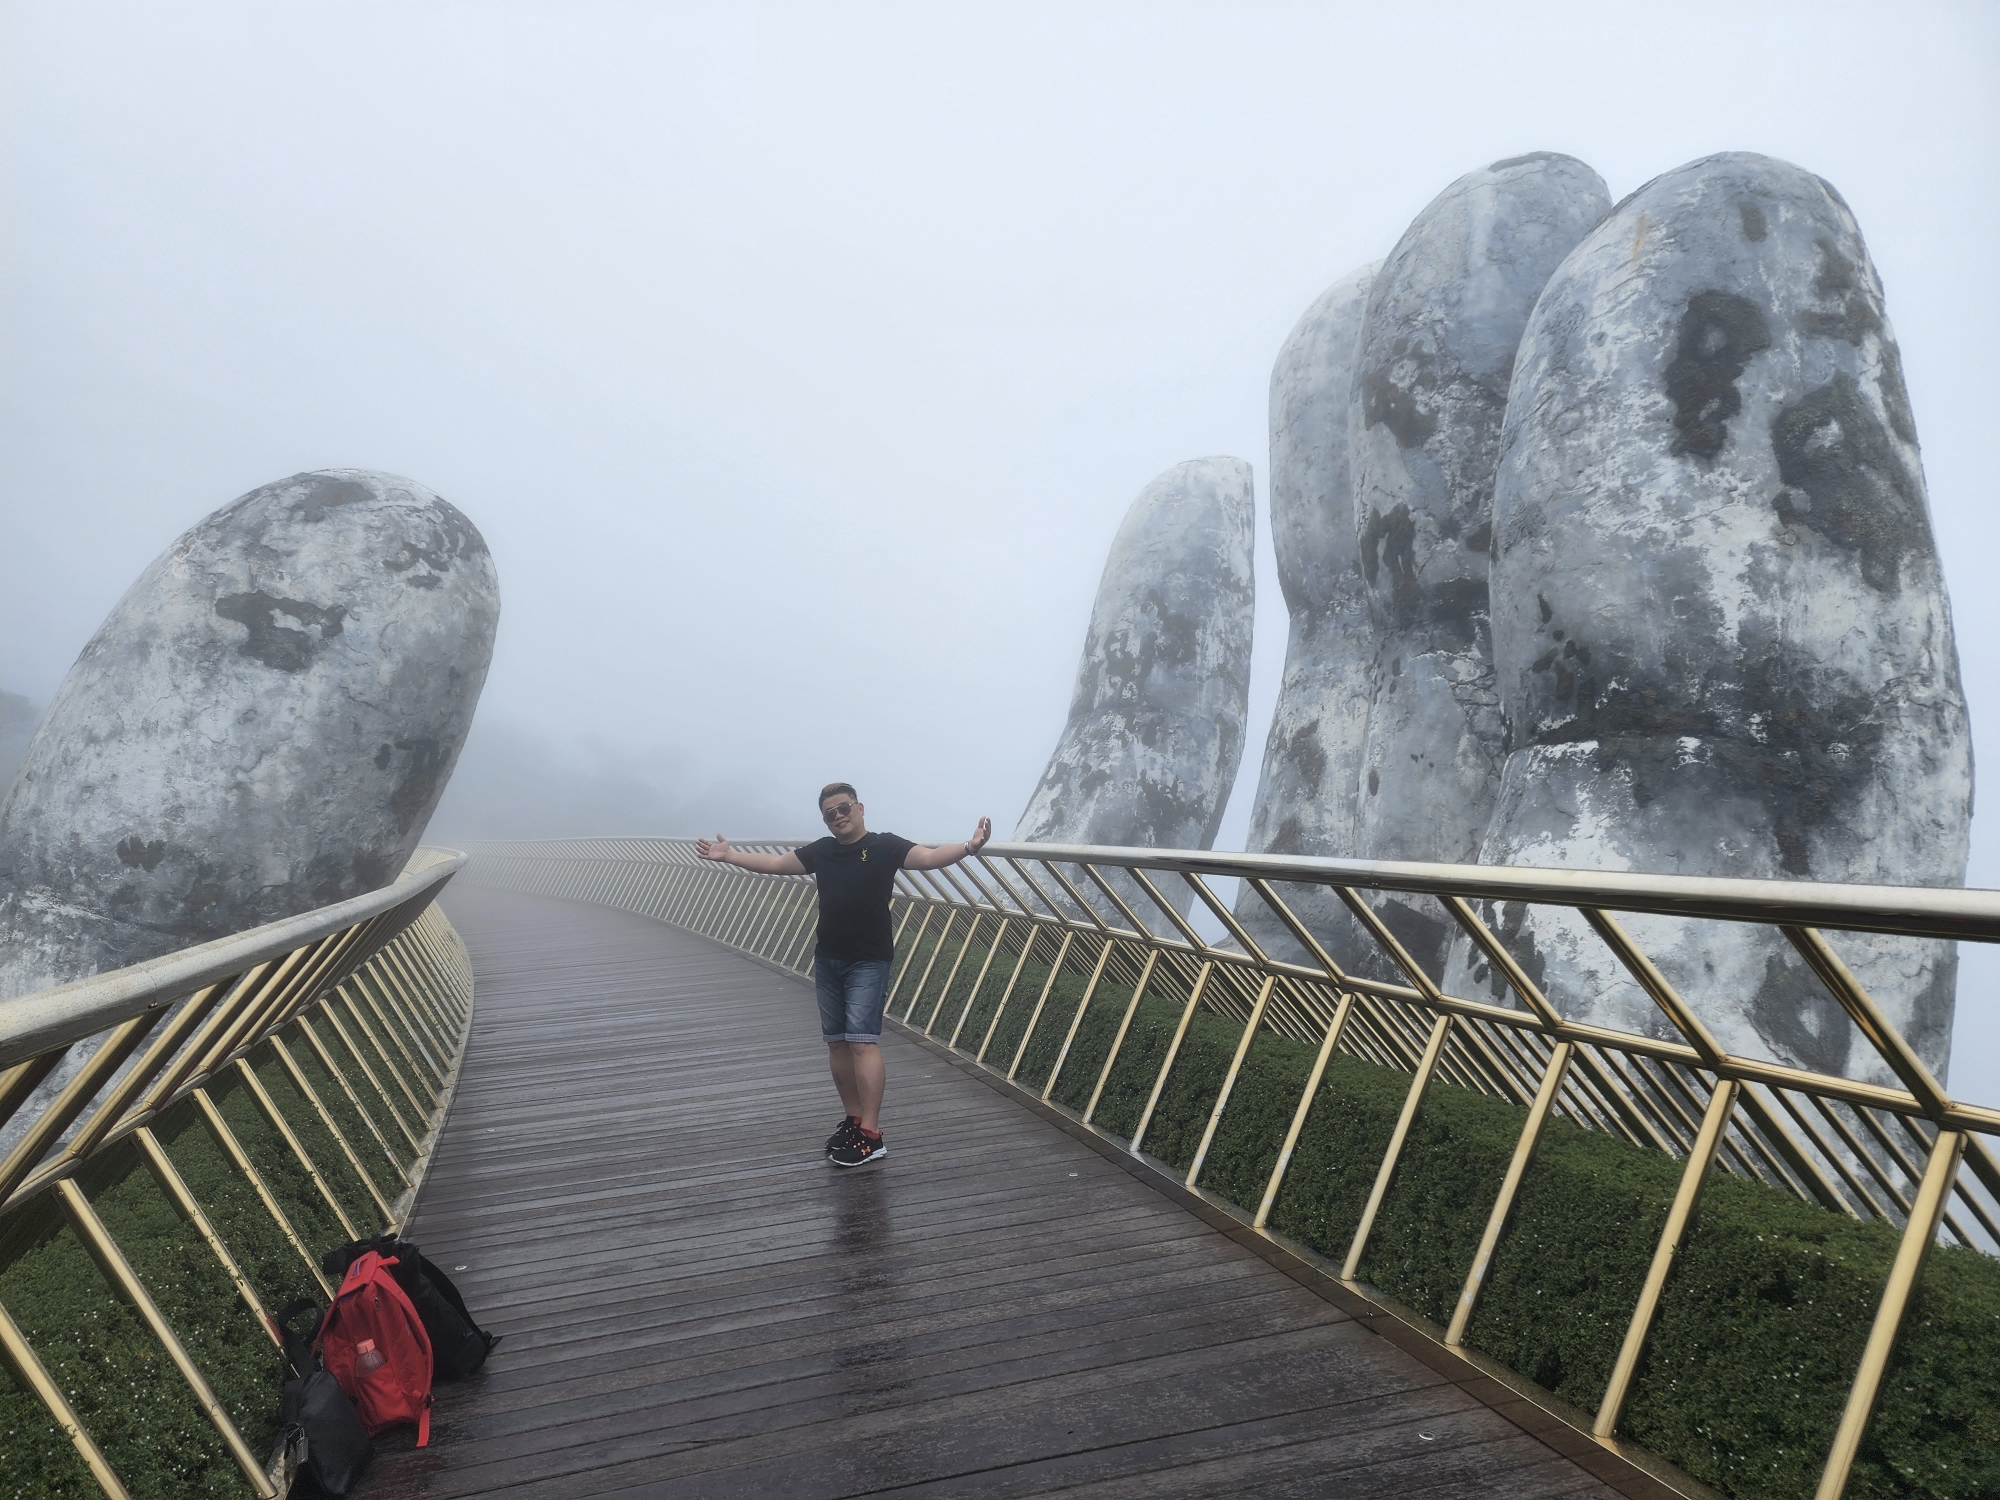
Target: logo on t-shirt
864, 856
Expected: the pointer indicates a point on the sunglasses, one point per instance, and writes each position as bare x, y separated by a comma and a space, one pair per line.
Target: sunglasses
830, 813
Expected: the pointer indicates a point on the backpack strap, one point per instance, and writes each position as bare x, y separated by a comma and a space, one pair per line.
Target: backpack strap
424, 1423
298, 1351
443, 1285
336, 1262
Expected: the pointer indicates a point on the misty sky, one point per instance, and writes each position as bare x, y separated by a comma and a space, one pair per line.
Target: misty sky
798, 363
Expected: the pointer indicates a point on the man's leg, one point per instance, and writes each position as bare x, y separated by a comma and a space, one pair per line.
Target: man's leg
840, 1058
830, 983
857, 1063
867, 984
865, 1067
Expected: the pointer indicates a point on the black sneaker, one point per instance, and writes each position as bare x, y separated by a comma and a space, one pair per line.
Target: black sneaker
843, 1132
857, 1150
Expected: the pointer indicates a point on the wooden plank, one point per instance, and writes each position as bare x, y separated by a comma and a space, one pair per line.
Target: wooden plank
695, 1303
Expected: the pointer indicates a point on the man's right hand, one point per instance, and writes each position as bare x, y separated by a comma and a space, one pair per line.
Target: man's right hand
717, 850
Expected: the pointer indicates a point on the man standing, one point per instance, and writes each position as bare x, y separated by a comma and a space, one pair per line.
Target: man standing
856, 873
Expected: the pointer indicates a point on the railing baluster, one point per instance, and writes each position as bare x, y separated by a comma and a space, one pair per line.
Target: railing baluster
1807, 1170
340, 1030
993, 1025
18, 1083
403, 978
1329, 1044
1637, 1127
375, 985
240, 1159
800, 941
709, 892
945, 989
1856, 1152
930, 964
1503, 1205
793, 912
743, 920
703, 882
248, 994
1769, 1140
34, 1374
1898, 1158
334, 1072
1229, 1079
1048, 988
916, 944
1933, 1192
1419, 1081
1173, 1051
751, 920
992, 952
1694, 1175
111, 1110
176, 1188
1986, 1220
1124, 1025
388, 1063
74, 1099
1069, 1037
679, 882
283, 1126
776, 913
908, 907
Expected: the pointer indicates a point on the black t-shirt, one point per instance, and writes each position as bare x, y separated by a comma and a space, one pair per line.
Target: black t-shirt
855, 881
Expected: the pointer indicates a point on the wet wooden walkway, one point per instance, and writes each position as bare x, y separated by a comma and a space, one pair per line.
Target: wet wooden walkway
631, 1190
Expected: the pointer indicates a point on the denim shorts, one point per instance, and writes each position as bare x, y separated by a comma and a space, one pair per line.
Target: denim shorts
851, 994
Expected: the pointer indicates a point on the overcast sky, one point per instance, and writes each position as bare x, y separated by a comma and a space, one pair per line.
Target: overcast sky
798, 362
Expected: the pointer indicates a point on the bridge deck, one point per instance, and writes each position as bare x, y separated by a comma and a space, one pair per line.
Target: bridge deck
695, 1304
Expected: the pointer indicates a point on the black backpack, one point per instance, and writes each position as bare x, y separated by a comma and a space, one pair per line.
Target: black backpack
458, 1345
337, 1445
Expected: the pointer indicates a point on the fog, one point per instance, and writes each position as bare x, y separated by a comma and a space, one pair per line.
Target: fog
512, 783
799, 362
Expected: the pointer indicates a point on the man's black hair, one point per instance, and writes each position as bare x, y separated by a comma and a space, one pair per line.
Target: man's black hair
837, 786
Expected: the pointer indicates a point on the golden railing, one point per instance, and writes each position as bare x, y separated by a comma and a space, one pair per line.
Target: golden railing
372, 997
1861, 1149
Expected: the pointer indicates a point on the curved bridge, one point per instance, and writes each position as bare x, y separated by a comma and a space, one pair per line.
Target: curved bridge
696, 1304
1160, 1216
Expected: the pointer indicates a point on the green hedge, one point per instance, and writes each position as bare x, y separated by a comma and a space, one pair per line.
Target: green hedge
1763, 1320
120, 1381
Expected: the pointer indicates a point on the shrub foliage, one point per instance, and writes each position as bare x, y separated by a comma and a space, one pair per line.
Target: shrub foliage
114, 1373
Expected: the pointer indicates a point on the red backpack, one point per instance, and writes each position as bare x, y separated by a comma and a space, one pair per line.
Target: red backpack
374, 1344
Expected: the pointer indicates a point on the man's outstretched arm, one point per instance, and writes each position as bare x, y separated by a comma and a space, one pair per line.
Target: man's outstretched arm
720, 850
937, 856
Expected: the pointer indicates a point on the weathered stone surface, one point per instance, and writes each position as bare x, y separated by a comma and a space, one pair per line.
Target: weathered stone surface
1430, 391
1312, 758
261, 726
1721, 631
17, 727
1155, 728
